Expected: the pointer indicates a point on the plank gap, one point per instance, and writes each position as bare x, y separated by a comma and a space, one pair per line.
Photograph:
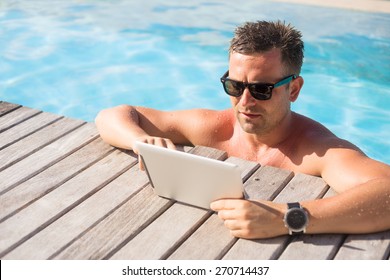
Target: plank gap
20, 120
337, 247
64, 211
36, 172
55, 186
6, 107
39, 148
31, 132
59, 251
227, 248
186, 235
279, 251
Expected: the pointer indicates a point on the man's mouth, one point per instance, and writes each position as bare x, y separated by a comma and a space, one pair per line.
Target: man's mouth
250, 115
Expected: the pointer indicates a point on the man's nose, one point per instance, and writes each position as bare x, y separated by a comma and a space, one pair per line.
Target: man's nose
247, 98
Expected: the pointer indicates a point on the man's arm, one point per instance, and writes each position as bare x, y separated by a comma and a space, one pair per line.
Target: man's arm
362, 205
121, 126
363, 201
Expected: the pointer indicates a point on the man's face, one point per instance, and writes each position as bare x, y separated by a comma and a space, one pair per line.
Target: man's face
259, 116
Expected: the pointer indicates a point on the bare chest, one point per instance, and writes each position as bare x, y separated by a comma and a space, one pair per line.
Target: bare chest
285, 157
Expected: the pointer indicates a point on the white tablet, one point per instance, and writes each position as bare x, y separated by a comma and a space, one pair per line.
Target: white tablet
189, 178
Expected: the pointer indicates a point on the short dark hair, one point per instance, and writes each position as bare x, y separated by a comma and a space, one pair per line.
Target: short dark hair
262, 36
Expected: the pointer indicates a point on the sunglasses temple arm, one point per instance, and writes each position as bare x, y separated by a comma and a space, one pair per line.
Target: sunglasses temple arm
285, 81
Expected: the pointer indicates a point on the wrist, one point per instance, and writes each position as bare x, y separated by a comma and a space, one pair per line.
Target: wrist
296, 218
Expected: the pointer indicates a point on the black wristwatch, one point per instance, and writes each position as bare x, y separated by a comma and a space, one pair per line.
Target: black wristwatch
296, 218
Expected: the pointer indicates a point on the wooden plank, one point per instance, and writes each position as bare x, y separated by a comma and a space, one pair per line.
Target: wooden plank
46, 181
153, 242
16, 116
6, 107
248, 249
259, 186
48, 155
91, 245
36, 141
313, 247
295, 190
302, 187
26, 128
32, 219
267, 183
79, 220
209, 241
119, 227
209, 152
375, 246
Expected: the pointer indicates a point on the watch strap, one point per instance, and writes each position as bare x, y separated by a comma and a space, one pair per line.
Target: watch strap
291, 205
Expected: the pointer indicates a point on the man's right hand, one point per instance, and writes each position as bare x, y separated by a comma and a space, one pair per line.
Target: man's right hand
157, 141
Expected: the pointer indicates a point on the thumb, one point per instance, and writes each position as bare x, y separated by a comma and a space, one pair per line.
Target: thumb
141, 163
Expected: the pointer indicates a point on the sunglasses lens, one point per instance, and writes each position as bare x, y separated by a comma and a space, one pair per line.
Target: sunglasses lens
261, 92
257, 90
233, 88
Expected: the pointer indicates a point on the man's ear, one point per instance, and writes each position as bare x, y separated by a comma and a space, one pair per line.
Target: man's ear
295, 88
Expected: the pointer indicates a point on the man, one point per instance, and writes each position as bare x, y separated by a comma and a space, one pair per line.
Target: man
265, 60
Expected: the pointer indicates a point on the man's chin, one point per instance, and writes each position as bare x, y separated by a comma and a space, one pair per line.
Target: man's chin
251, 125
250, 128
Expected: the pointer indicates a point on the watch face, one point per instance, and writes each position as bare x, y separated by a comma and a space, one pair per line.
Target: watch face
296, 219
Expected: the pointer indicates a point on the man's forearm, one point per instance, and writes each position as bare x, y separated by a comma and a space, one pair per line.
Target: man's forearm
363, 209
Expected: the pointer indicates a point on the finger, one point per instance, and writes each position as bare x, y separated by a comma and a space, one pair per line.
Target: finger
166, 143
141, 163
170, 144
240, 233
159, 142
231, 224
225, 204
238, 229
150, 140
227, 215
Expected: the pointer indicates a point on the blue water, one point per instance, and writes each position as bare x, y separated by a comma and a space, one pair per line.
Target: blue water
76, 57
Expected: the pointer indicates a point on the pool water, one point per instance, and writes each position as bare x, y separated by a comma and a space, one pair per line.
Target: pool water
77, 57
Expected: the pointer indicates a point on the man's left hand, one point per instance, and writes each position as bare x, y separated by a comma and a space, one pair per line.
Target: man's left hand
251, 219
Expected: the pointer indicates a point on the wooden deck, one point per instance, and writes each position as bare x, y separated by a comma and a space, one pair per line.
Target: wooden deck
64, 194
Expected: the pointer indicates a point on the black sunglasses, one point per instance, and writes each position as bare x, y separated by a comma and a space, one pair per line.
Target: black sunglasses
259, 91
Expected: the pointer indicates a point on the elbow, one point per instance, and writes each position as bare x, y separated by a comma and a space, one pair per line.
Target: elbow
110, 123
101, 123
105, 116
100, 119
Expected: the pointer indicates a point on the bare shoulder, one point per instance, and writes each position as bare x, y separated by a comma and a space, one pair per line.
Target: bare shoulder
194, 126
339, 162
316, 137
209, 127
